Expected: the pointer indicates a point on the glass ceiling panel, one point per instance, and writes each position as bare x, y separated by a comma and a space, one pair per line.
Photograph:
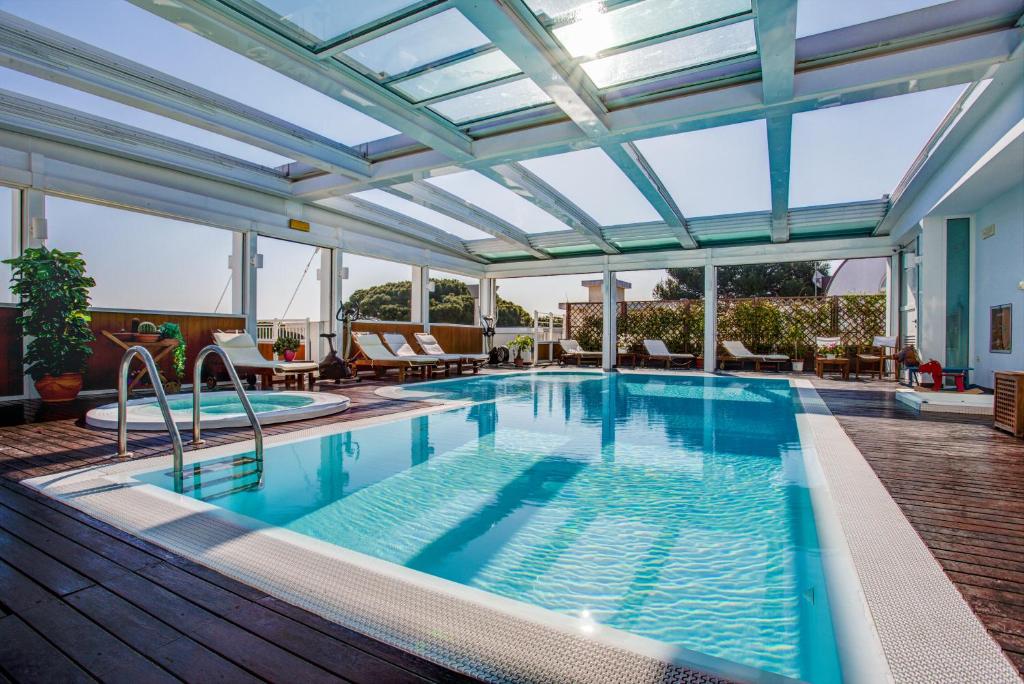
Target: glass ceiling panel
592, 181
818, 16
500, 201
721, 170
506, 97
153, 123
329, 18
138, 35
464, 74
428, 40
861, 151
428, 216
672, 55
592, 29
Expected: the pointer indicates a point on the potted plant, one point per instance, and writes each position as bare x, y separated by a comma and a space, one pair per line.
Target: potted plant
794, 335
54, 293
148, 332
518, 344
831, 350
287, 346
171, 331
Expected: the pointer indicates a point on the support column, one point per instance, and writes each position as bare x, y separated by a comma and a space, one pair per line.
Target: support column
609, 338
893, 284
328, 276
420, 304
236, 263
710, 317
33, 212
487, 303
253, 262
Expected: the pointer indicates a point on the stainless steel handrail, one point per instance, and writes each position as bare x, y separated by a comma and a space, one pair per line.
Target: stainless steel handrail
161, 398
233, 374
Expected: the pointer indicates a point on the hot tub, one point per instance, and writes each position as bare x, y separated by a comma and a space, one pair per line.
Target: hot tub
221, 409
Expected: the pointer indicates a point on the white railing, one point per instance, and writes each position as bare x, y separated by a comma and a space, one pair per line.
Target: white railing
304, 330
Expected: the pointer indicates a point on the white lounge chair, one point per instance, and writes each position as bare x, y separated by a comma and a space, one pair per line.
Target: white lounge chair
428, 343
371, 353
397, 343
736, 351
572, 352
657, 351
873, 362
243, 353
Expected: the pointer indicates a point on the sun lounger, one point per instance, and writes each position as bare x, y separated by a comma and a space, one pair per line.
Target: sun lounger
372, 354
657, 351
397, 343
737, 352
572, 352
428, 343
244, 355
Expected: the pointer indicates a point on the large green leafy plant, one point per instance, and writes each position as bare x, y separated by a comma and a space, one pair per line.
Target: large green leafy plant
54, 292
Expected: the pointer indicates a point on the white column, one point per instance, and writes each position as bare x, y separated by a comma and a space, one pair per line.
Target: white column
236, 262
33, 209
420, 304
710, 317
253, 261
488, 302
330, 297
931, 308
893, 285
609, 338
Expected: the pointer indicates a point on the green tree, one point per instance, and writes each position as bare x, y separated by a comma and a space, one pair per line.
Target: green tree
450, 302
792, 279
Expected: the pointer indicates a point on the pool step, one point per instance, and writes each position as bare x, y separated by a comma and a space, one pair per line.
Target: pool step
210, 475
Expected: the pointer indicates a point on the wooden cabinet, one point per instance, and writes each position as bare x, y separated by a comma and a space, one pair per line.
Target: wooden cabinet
1008, 408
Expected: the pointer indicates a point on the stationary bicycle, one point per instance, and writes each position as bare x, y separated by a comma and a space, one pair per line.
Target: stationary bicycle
332, 366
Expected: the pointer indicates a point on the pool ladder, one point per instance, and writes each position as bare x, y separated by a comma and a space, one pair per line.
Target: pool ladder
165, 410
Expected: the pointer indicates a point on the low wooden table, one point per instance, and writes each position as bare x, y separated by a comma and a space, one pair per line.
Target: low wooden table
821, 364
624, 358
159, 350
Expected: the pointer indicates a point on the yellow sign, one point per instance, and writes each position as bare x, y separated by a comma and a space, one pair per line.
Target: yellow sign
296, 224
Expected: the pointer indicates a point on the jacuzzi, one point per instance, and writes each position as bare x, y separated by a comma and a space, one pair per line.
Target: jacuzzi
221, 410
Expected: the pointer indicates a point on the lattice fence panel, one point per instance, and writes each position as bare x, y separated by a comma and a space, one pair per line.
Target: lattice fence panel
859, 318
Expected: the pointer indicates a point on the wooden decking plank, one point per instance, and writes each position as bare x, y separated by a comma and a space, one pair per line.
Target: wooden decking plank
27, 657
180, 655
52, 574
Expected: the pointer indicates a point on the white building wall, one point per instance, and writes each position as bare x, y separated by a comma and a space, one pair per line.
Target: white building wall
999, 279
931, 332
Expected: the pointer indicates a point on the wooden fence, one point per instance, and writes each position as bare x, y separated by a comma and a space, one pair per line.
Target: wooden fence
764, 324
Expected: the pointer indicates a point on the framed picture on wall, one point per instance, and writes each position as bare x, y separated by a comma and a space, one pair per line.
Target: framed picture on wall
1002, 329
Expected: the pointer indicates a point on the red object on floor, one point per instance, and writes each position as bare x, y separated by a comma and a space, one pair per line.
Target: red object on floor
934, 368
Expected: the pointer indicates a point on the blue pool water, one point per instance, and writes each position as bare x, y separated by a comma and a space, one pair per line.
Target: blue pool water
221, 403
671, 507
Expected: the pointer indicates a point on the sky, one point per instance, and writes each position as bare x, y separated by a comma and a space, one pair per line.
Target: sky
849, 153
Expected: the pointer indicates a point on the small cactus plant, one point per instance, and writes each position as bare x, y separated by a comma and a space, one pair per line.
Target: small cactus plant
147, 328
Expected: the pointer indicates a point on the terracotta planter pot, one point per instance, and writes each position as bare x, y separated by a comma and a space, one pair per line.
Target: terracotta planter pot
55, 389
289, 354
147, 337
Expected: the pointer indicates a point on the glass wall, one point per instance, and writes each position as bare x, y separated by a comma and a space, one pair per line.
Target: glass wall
145, 262
287, 287
383, 289
454, 299
10, 238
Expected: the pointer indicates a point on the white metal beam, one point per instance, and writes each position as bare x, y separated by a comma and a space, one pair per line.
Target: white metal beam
632, 163
444, 202
710, 316
47, 54
775, 27
37, 117
527, 185
222, 24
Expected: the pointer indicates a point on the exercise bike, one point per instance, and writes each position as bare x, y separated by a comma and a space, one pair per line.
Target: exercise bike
495, 355
332, 366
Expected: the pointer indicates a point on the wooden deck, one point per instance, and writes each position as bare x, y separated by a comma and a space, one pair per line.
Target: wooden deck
80, 600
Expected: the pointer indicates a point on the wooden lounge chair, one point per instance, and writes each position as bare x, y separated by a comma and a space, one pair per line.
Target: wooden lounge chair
873, 361
245, 356
737, 352
428, 343
572, 352
372, 354
401, 348
657, 351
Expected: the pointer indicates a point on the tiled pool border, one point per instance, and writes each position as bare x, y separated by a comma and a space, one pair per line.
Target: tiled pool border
891, 597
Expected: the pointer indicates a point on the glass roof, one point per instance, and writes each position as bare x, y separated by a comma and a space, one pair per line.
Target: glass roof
466, 73
721, 170
420, 213
672, 55
592, 181
818, 16
329, 18
428, 40
64, 96
480, 104
138, 35
588, 28
498, 200
861, 151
